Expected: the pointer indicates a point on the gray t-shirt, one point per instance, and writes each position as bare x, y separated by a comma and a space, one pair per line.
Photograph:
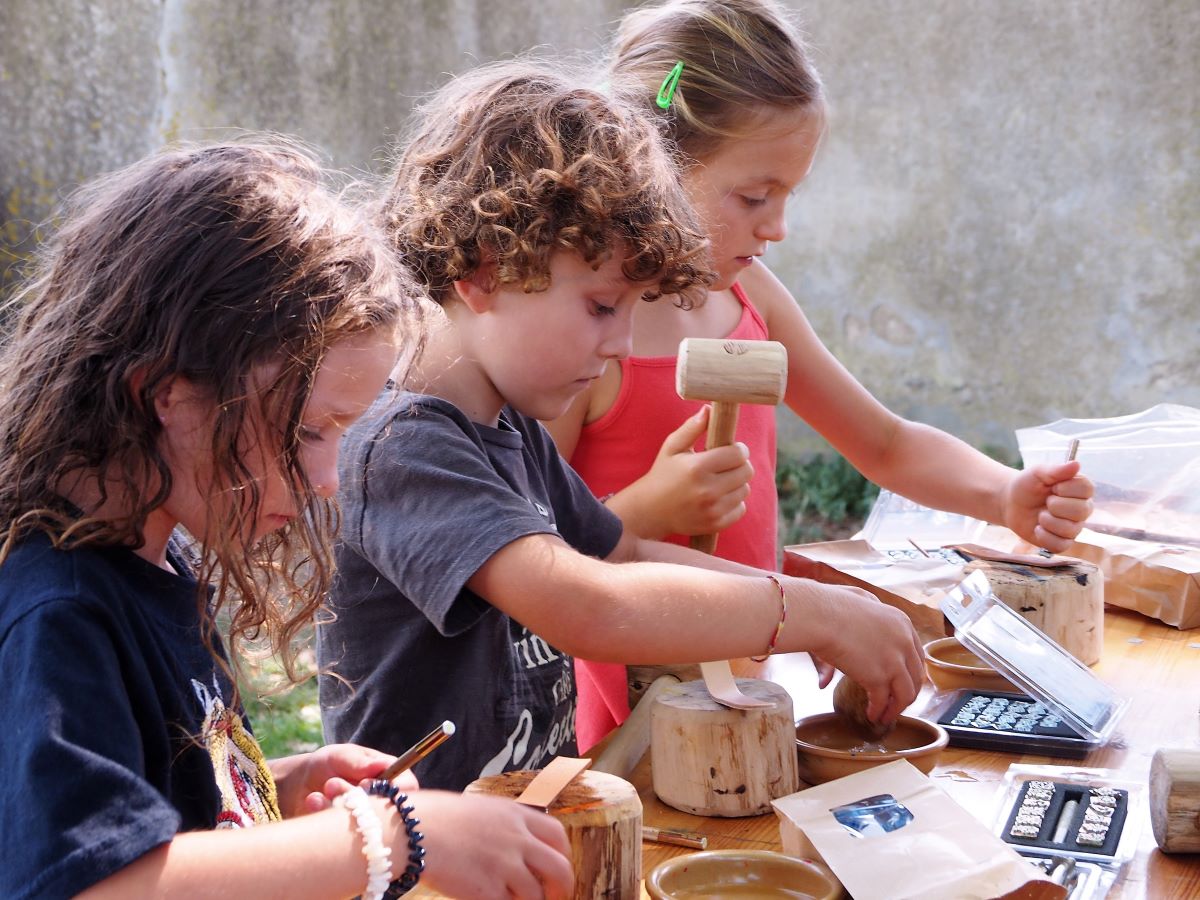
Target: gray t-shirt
428, 496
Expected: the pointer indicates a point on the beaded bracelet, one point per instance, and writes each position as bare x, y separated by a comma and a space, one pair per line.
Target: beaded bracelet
370, 830
782, 620
416, 853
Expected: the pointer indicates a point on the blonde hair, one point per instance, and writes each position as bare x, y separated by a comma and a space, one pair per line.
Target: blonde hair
516, 161
741, 59
208, 263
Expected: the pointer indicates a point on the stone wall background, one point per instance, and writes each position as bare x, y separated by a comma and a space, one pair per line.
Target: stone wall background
1002, 228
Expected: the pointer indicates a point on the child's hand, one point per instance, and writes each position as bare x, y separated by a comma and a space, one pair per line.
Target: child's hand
480, 846
688, 492
876, 646
1048, 504
308, 782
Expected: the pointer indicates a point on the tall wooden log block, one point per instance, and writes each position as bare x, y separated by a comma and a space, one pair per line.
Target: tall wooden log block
710, 760
1067, 602
602, 815
1175, 800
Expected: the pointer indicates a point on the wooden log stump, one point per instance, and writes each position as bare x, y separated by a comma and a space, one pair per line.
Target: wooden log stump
1067, 603
602, 815
1175, 800
710, 760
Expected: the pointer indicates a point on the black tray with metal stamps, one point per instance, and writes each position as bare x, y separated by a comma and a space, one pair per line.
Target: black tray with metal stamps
1065, 710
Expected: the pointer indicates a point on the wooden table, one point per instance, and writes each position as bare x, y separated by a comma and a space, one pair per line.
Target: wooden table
1157, 666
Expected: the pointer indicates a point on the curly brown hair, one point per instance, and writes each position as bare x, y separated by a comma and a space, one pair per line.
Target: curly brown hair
514, 162
214, 263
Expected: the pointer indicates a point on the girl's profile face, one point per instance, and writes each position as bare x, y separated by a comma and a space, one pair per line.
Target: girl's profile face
349, 379
741, 191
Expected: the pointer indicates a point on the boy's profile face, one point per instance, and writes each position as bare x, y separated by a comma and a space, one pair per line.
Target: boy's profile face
538, 351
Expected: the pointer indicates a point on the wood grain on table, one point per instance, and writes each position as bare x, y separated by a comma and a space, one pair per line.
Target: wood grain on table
1157, 666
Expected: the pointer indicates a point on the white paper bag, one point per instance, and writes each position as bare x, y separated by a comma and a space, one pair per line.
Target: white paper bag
889, 833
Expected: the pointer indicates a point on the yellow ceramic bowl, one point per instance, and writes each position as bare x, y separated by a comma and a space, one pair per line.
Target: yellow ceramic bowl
829, 747
741, 874
952, 666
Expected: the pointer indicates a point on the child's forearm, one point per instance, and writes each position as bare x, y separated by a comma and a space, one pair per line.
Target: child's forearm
938, 470
651, 609
317, 856
637, 549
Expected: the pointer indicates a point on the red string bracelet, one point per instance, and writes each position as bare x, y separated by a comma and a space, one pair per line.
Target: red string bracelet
782, 620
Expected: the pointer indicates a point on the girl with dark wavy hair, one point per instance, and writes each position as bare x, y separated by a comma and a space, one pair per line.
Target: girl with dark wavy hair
201, 330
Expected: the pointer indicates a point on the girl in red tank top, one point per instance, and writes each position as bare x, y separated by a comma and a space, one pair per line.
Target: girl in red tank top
736, 92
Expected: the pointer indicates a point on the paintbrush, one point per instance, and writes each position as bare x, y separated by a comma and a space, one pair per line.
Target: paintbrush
418, 751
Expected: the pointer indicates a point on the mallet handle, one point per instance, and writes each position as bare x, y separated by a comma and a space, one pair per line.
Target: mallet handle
722, 426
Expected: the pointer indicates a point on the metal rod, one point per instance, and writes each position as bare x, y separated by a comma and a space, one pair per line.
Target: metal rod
418, 751
677, 838
919, 550
1064, 821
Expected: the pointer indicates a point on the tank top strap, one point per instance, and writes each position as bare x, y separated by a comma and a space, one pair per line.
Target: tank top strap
751, 326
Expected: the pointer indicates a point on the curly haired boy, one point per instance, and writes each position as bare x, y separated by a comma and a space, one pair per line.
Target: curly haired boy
475, 562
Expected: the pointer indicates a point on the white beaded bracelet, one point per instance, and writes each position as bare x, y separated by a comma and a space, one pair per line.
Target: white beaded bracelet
370, 829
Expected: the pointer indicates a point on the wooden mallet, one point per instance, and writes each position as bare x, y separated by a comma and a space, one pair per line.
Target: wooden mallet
726, 374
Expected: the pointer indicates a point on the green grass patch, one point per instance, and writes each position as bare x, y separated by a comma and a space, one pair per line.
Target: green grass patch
822, 498
286, 719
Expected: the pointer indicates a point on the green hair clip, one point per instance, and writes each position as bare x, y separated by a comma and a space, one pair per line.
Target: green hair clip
666, 93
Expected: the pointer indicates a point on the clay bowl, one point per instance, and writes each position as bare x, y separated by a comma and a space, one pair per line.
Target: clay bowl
741, 874
828, 746
952, 666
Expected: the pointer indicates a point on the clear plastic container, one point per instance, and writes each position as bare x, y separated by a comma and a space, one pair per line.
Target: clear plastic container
1077, 786
1032, 661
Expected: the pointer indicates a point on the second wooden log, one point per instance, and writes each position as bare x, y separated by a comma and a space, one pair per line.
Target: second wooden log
1067, 603
1175, 800
709, 760
602, 815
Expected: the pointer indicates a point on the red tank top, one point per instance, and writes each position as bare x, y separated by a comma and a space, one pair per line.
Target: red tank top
620, 446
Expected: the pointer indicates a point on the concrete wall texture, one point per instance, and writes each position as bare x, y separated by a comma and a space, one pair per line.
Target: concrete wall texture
1002, 228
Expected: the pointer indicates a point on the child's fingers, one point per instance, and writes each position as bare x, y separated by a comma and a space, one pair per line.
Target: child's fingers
335, 787
1051, 474
684, 438
1069, 509
1055, 535
1079, 488
316, 801
730, 461
824, 671
552, 868
548, 831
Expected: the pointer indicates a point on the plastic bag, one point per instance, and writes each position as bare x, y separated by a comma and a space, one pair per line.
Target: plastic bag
1146, 468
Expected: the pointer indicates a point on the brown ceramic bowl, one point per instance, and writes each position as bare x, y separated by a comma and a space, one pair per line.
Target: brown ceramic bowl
829, 747
952, 666
741, 873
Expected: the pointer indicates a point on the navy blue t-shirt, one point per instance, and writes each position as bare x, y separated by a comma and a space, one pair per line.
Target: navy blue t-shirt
114, 734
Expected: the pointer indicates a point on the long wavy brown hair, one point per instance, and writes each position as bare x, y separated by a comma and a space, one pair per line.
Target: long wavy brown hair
215, 263
515, 161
